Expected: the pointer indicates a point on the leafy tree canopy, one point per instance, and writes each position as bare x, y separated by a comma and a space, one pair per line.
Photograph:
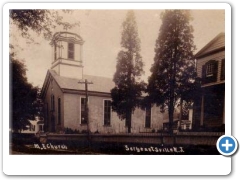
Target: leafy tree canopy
174, 61
40, 21
173, 71
25, 104
128, 85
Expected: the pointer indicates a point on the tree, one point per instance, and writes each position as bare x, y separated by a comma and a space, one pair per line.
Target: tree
173, 71
128, 87
22, 96
41, 21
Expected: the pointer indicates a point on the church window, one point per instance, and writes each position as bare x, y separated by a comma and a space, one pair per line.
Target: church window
70, 50
59, 110
107, 112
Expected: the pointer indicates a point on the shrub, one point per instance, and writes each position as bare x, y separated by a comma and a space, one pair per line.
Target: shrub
71, 131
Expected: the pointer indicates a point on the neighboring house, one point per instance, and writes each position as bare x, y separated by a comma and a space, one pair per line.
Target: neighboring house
184, 122
210, 108
34, 126
64, 97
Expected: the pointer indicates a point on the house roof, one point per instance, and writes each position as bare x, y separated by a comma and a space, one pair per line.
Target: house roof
100, 84
216, 44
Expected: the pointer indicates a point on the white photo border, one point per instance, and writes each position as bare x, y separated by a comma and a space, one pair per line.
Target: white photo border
122, 164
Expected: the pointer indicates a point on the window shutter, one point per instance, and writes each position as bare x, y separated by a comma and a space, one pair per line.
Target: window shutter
215, 71
223, 70
203, 74
51, 104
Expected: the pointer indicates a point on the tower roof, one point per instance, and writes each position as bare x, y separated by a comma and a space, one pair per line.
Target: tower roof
66, 36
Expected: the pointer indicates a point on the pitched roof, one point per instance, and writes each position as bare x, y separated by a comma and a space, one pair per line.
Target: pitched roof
100, 84
214, 45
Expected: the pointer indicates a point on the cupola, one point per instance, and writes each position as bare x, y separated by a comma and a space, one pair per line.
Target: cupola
67, 54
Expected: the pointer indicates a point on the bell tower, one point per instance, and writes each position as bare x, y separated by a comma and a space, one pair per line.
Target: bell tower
67, 54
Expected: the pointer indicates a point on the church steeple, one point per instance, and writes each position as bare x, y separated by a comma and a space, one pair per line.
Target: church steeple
67, 54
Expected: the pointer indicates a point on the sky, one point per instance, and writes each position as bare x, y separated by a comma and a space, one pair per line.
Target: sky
101, 31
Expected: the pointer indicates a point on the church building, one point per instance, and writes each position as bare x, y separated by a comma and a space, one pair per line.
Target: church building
65, 90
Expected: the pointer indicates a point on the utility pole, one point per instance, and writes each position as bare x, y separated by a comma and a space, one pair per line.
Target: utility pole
86, 83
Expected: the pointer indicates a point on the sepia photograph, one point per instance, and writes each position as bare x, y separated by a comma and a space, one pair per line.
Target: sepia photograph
116, 81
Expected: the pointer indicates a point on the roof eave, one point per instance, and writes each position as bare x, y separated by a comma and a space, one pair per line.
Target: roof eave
197, 56
200, 52
45, 84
